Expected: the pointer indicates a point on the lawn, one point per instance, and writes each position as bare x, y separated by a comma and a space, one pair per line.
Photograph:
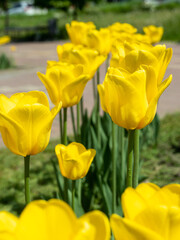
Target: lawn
169, 19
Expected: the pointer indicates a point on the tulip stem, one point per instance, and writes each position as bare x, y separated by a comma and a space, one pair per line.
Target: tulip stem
82, 108
98, 112
114, 141
65, 143
78, 122
107, 62
122, 160
73, 194
136, 158
73, 122
27, 179
61, 126
130, 158
79, 190
94, 87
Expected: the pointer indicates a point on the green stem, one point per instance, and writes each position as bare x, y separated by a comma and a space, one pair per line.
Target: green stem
73, 194
79, 191
107, 62
94, 87
27, 179
65, 143
73, 123
98, 112
136, 158
82, 108
78, 122
61, 126
114, 141
122, 160
130, 158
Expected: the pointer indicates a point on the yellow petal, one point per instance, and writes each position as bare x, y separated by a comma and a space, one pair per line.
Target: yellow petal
46, 221
8, 222
126, 229
147, 190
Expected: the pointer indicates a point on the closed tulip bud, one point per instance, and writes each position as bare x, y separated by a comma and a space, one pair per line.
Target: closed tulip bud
150, 213
51, 220
25, 122
77, 31
74, 160
64, 82
131, 98
77, 54
154, 33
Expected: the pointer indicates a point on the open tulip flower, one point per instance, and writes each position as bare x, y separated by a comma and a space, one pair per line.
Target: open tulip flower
64, 82
74, 160
25, 122
150, 213
77, 31
122, 27
53, 220
78, 54
131, 98
154, 33
99, 40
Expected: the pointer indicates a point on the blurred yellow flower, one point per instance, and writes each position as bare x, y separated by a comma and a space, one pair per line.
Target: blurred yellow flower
77, 31
77, 54
25, 122
64, 82
154, 33
5, 39
52, 220
131, 98
74, 160
150, 213
99, 40
13, 48
122, 27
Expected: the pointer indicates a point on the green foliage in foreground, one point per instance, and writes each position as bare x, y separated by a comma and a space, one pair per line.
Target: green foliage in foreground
168, 18
160, 165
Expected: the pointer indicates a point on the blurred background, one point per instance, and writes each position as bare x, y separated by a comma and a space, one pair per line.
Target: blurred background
39, 20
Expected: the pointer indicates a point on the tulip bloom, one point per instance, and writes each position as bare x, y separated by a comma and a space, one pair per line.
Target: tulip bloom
52, 220
74, 160
131, 98
99, 40
122, 27
64, 82
5, 39
150, 213
25, 122
77, 31
154, 33
77, 54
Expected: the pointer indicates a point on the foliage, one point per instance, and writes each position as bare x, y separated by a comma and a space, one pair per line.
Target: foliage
5, 62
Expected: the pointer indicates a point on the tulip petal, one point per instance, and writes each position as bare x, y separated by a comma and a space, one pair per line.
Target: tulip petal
147, 190
8, 221
151, 111
96, 226
126, 229
46, 220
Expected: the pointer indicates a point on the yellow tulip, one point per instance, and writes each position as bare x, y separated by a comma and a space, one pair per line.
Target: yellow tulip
122, 27
64, 82
150, 213
53, 220
77, 54
77, 31
25, 122
131, 98
74, 160
154, 33
5, 39
99, 40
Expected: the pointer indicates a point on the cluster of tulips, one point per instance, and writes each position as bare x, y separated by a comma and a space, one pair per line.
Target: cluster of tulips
129, 94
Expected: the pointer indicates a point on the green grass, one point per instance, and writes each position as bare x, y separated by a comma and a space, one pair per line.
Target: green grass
169, 19
160, 165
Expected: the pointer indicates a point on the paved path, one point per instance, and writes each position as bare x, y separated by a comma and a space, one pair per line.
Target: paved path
31, 58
